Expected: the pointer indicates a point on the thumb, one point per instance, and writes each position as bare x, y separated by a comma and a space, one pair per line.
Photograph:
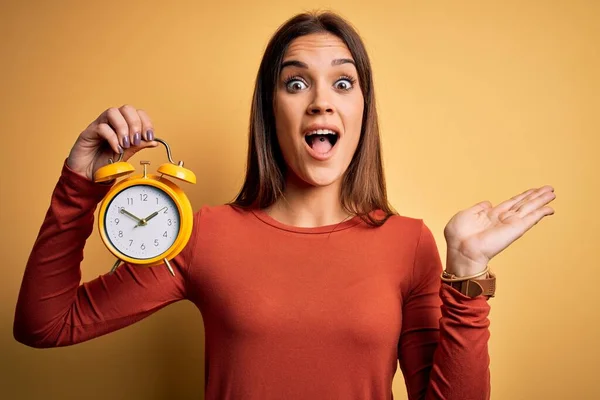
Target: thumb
481, 206
134, 149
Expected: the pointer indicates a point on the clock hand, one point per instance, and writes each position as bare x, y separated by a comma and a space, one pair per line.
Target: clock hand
154, 214
124, 211
144, 221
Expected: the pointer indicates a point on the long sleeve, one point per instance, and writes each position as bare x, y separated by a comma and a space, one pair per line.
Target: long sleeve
443, 348
53, 307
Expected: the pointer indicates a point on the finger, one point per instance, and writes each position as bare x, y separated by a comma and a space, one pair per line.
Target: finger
108, 134
147, 126
134, 122
536, 203
482, 206
536, 216
537, 193
507, 204
118, 123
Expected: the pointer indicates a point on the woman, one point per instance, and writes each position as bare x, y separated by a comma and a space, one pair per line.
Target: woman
309, 285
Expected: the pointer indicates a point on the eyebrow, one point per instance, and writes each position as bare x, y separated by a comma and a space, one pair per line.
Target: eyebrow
300, 64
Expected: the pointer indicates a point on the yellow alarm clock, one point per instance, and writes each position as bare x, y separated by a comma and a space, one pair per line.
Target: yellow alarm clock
145, 219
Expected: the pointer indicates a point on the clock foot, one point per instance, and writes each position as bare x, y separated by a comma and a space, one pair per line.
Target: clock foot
114, 267
169, 266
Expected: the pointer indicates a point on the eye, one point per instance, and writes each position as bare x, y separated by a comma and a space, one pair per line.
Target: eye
344, 84
295, 85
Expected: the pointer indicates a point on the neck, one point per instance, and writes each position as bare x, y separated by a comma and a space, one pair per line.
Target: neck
308, 206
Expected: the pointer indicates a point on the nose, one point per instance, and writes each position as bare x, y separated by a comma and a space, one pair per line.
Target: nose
320, 102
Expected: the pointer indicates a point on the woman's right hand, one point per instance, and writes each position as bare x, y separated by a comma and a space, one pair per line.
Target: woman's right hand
114, 131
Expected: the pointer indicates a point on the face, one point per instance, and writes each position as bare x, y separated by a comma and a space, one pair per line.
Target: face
318, 109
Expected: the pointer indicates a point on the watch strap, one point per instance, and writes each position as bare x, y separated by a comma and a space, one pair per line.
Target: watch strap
476, 287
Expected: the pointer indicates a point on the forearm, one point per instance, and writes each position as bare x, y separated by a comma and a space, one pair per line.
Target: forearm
443, 349
462, 355
461, 361
52, 274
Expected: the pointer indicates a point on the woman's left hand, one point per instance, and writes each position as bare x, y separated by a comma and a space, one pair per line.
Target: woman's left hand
477, 234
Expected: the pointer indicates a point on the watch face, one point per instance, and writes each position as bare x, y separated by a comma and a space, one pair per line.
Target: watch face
142, 222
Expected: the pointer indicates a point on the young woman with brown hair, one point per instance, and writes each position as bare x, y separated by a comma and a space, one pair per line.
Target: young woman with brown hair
309, 284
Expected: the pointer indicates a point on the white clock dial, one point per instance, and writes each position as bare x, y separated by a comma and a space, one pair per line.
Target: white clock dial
142, 222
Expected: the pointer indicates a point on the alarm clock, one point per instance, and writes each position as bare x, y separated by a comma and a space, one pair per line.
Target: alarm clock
145, 219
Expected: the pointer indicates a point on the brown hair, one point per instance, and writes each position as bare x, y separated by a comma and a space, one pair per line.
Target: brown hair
363, 187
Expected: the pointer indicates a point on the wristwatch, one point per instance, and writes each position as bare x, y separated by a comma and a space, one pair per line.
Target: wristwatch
473, 287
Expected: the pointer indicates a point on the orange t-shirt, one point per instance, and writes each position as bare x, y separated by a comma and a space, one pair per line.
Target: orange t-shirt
289, 313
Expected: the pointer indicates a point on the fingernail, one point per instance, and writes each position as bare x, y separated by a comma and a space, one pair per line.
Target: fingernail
126, 142
120, 150
150, 134
137, 139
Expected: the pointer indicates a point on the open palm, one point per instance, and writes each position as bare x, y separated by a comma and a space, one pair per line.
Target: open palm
477, 234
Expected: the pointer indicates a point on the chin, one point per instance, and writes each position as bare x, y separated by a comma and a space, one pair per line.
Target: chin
320, 177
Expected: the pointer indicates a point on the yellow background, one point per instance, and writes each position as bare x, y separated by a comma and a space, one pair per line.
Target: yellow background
478, 100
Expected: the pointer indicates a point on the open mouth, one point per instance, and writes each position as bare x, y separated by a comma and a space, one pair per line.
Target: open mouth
321, 140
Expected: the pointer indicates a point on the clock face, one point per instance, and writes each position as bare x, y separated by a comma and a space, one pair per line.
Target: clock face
142, 222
